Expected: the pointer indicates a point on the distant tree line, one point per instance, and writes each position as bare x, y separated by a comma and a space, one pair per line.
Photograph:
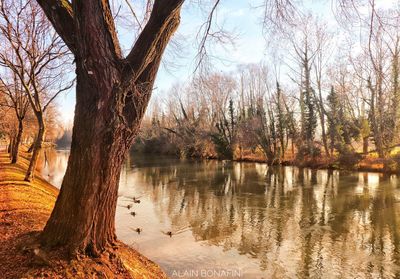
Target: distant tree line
321, 97
229, 115
324, 93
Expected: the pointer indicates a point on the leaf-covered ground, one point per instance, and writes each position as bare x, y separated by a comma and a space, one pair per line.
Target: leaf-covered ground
24, 210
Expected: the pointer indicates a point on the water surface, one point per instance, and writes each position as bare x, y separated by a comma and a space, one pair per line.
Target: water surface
255, 221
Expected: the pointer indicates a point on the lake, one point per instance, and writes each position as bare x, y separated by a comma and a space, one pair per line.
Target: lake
245, 220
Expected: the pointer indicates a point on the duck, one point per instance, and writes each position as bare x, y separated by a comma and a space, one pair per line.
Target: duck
136, 200
129, 206
169, 233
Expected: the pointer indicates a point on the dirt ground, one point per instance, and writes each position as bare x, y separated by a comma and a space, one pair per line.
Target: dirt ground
24, 210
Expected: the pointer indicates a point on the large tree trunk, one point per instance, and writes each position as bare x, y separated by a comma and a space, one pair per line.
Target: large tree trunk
17, 142
30, 173
83, 217
112, 94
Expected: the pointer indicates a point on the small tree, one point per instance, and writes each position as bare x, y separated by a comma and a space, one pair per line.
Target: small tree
226, 131
335, 127
14, 97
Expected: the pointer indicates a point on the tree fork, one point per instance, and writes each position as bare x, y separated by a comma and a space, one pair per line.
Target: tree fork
110, 104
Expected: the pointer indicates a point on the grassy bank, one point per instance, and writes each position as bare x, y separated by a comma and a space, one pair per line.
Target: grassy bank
353, 162
348, 162
24, 210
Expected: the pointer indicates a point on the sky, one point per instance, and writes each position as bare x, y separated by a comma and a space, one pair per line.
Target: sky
241, 18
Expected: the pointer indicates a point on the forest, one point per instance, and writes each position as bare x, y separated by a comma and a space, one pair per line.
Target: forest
325, 98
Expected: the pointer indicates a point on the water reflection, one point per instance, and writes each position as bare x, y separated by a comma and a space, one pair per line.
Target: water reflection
52, 164
269, 222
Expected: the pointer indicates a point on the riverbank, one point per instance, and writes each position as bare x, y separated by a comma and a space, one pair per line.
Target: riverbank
350, 162
24, 210
356, 163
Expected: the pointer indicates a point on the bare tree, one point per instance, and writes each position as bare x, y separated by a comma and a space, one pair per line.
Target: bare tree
16, 99
7, 120
322, 38
305, 50
112, 94
34, 59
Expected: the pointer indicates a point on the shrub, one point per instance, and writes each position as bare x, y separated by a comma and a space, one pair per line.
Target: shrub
348, 157
309, 150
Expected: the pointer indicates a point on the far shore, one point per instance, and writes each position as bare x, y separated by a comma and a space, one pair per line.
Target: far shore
362, 163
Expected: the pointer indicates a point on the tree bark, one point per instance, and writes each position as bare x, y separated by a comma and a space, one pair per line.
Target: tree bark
30, 173
30, 149
365, 145
324, 136
11, 144
377, 135
83, 217
111, 97
322, 113
17, 142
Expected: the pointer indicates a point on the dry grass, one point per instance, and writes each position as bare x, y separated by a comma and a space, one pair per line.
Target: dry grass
365, 163
24, 210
